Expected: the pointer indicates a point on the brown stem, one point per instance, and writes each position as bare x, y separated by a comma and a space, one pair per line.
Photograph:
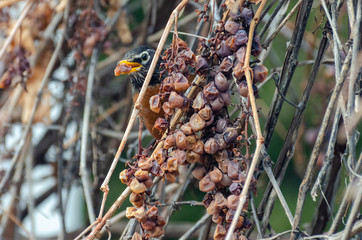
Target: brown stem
116, 205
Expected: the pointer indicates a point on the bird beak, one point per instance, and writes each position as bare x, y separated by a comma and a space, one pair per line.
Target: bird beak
126, 67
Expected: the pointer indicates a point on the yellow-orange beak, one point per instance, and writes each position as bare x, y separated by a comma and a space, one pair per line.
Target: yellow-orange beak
126, 67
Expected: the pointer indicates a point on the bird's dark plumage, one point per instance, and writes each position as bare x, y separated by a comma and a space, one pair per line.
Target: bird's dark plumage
136, 64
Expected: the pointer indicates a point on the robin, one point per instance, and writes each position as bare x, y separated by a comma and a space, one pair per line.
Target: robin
136, 64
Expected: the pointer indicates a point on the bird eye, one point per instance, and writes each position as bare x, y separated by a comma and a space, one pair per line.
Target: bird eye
144, 56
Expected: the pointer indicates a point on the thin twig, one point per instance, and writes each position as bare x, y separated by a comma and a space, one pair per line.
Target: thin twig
115, 134
357, 228
205, 230
8, 108
333, 25
83, 172
115, 206
345, 201
13, 192
279, 193
304, 186
277, 235
329, 155
47, 35
266, 10
190, 34
185, 19
355, 210
60, 162
177, 204
124, 232
86, 230
274, 14
281, 25
60, 172
180, 191
23, 14
324, 210
327, 203
115, 219
300, 64
195, 227
29, 179
332, 140
17, 221
255, 215
273, 25
352, 106
351, 16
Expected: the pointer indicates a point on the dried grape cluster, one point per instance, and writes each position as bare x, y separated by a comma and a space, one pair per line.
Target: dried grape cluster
85, 31
88, 30
164, 162
177, 61
208, 136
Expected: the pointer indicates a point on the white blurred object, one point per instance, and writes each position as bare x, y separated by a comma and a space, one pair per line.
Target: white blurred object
47, 218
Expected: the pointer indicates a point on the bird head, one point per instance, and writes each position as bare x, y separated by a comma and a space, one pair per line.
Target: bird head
136, 64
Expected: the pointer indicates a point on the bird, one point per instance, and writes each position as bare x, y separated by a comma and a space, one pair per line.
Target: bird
136, 64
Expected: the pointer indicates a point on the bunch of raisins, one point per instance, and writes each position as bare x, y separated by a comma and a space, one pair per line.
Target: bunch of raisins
208, 137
